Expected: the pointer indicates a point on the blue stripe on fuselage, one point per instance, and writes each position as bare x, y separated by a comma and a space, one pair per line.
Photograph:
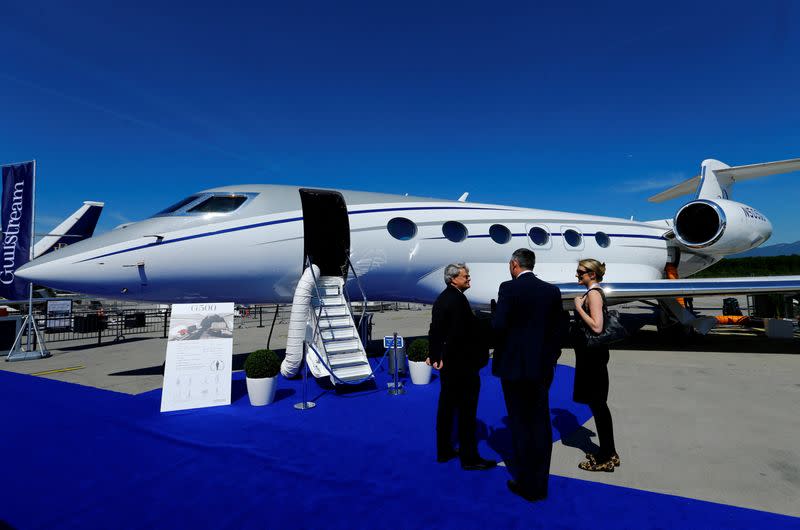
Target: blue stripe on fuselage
354, 212
281, 221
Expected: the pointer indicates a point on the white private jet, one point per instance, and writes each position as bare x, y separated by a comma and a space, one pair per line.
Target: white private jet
250, 244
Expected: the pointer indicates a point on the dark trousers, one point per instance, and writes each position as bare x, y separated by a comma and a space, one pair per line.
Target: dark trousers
458, 398
528, 405
605, 430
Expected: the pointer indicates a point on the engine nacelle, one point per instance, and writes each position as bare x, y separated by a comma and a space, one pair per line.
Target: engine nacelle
720, 226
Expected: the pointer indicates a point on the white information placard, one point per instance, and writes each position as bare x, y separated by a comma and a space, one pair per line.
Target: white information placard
197, 372
59, 314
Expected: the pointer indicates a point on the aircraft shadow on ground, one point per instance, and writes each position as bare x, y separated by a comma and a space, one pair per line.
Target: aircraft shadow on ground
728, 340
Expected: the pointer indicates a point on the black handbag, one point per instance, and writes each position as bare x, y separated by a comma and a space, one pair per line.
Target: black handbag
613, 330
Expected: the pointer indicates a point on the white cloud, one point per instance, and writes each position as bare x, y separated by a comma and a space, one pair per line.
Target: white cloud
657, 182
47, 221
117, 217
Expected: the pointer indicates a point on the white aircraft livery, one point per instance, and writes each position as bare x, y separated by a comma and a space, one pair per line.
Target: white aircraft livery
250, 243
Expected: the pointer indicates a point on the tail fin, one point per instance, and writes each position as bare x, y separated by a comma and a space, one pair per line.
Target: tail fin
716, 179
80, 225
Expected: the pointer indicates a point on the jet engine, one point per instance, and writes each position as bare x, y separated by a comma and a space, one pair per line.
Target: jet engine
720, 226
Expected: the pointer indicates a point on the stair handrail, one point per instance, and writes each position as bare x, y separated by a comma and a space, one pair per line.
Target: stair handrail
317, 329
355, 382
360, 288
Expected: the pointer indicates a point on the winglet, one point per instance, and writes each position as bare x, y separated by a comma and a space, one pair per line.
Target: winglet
463, 197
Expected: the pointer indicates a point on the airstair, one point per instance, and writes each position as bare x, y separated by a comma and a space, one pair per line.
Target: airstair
322, 316
337, 337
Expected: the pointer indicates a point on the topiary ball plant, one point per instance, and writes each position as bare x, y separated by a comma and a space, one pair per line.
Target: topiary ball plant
419, 350
262, 363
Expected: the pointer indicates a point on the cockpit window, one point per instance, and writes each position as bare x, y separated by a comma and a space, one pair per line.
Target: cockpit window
208, 203
178, 205
219, 204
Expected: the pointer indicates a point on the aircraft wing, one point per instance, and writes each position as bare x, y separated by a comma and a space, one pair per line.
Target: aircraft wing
620, 291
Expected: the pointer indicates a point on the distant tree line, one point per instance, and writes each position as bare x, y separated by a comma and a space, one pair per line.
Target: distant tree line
757, 266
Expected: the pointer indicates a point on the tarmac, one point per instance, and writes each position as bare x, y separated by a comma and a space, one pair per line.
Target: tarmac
713, 418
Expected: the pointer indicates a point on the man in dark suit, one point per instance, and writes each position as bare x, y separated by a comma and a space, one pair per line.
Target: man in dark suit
529, 324
458, 351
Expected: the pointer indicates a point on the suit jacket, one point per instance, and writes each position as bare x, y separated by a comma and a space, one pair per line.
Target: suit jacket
529, 326
455, 333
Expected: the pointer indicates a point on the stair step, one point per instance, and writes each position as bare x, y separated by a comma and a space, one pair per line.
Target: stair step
352, 373
330, 290
342, 360
342, 333
328, 301
343, 322
340, 346
333, 311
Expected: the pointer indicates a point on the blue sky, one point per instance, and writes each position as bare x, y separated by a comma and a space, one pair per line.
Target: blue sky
577, 106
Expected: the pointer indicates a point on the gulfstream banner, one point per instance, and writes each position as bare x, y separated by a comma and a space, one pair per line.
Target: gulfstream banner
17, 213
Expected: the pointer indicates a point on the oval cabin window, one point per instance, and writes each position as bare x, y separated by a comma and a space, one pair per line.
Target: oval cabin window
402, 228
572, 238
500, 234
539, 235
454, 231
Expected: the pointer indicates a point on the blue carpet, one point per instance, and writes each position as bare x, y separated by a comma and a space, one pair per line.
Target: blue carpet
78, 457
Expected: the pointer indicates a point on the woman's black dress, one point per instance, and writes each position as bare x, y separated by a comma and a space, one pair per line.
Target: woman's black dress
591, 368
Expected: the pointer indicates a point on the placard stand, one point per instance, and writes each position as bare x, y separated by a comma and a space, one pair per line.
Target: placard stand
396, 387
305, 404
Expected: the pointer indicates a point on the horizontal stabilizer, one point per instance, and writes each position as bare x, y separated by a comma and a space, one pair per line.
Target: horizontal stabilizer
726, 176
765, 169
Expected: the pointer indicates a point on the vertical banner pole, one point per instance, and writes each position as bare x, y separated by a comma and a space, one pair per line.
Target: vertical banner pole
30, 258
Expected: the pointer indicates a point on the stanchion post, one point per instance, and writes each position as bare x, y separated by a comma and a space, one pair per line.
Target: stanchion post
305, 404
396, 388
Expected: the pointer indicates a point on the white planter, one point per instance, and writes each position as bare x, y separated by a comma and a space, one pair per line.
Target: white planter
420, 372
261, 391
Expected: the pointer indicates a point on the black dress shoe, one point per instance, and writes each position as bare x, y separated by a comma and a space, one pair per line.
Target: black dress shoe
481, 464
516, 489
447, 456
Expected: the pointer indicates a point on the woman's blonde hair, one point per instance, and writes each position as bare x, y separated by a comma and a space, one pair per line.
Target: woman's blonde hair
592, 265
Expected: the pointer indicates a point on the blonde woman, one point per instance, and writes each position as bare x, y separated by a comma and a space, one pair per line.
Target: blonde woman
591, 365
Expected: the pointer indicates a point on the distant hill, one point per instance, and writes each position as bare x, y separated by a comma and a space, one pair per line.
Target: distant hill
781, 249
754, 266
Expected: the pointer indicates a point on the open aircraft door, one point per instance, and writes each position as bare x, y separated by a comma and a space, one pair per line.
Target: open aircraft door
326, 230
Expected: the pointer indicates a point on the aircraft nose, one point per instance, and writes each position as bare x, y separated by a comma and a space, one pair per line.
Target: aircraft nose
52, 273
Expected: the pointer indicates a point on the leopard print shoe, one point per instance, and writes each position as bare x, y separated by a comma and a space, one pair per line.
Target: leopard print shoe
614, 459
592, 465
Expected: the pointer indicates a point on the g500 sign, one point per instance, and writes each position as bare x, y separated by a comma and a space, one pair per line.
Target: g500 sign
203, 308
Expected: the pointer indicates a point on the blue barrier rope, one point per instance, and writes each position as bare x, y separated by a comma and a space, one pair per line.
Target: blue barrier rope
357, 382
